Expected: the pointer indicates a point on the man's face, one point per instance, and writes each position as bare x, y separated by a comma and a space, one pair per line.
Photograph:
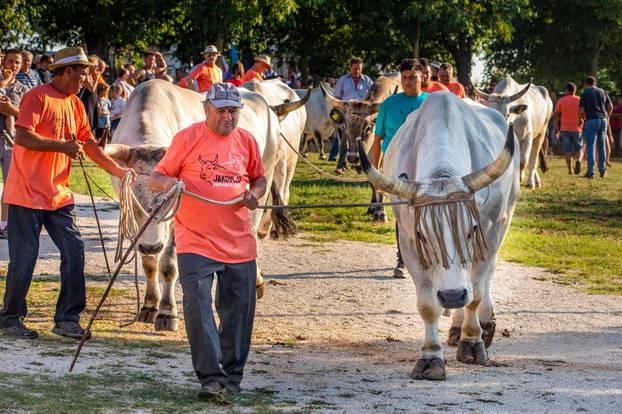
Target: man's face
221, 120
46, 65
210, 57
411, 82
149, 60
356, 70
13, 61
131, 69
101, 66
445, 75
26, 62
73, 78
425, 76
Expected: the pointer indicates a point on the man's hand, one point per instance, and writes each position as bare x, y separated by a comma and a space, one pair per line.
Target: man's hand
73, 148
8, 76
7, 108
250, 200
121, 171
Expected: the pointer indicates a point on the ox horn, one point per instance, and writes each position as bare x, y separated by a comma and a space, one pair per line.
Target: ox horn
283, 109
120, 152
485, 176
519, 94
335, 103
480, 94
401, 188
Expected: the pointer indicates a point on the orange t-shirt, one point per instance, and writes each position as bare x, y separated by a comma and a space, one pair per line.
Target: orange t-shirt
218, 168
457, 89
250, 75
206, 76
40, 180
568, 108
434, 86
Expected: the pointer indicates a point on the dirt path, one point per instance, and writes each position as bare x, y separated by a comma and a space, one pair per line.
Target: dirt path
336, 334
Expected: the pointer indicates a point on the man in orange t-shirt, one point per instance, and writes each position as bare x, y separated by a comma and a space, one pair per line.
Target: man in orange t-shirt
262, 63
52, 129
445, 74
219, 161
427, 84
569, 132
207, 73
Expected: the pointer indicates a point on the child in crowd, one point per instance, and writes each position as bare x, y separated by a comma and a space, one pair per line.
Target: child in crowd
118, 98
103, 112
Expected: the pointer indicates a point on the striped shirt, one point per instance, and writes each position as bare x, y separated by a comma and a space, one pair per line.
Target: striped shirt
30, 79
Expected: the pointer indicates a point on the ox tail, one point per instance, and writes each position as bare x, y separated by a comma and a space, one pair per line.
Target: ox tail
543, 166
282, 224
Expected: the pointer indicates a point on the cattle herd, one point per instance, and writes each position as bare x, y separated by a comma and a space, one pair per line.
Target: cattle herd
459, 162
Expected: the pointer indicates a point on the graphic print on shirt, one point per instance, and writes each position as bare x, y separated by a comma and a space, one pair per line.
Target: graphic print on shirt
221, 174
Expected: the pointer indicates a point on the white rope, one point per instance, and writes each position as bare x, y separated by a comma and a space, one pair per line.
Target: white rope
128, 225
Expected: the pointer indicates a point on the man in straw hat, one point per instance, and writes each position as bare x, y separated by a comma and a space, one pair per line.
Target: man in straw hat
217, 160
262, 63
52, 129
207, 73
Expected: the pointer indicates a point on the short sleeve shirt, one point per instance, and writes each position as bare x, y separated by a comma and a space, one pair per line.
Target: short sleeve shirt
219, 168
346, 89
14, 92
594, 101
568, 108
30, 79
250, 75
457, 89
206, 76
435, 86
40, 180
392, 114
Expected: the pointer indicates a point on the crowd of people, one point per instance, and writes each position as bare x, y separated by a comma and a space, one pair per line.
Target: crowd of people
64, 107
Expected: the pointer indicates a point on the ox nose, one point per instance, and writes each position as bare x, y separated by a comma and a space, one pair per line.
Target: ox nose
352, 157
150, 248
453, 298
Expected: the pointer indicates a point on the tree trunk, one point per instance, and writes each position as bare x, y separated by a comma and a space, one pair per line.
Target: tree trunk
598, 46
417, 38
463, 55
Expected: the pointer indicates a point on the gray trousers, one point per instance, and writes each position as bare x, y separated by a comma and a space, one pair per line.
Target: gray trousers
218, 354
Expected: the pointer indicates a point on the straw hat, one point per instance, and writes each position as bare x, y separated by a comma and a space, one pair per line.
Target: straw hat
211, 49
70, 56
264, 59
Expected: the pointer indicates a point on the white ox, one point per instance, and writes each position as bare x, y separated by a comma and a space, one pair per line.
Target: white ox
319, 127
530, 126
455, 160
275, 92
156, 111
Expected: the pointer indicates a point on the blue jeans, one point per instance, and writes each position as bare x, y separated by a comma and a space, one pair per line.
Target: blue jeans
334, 148
595, 131
24, 229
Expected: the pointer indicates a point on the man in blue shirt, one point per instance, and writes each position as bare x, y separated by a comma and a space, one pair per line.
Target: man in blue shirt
595, 107
392, 114
352, 85
29, 78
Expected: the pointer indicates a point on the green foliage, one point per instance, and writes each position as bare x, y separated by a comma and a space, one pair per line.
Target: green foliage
15, 16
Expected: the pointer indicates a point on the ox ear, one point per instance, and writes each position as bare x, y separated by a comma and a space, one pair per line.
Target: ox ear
518, 109
119, 152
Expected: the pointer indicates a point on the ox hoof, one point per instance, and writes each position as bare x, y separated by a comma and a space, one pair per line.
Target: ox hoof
529, 185
429, 369
322, 156
454, 336
380, 217
167, 323
261, 286
488, 333
147, 315
472, 353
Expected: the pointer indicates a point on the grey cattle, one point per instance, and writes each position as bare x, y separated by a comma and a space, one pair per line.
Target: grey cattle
455, 161
530, 126
156, 111
319, 127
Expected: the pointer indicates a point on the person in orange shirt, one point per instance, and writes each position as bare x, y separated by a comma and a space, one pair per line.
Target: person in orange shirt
219, 161
569, 130
445, 75
207, 73
262, 63
427, 84
52, 129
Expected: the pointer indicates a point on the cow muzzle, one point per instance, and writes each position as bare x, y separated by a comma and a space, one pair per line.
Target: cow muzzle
352, 157
150, 248
452, 298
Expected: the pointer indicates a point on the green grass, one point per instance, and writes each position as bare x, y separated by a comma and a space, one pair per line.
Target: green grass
116, 391
572, 226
